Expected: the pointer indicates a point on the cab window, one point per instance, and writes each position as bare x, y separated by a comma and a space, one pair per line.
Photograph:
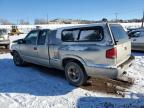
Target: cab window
42, 37
31, 38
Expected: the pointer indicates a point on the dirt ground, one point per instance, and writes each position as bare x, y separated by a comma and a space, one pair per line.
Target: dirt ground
107, 85
104, 85
3, 50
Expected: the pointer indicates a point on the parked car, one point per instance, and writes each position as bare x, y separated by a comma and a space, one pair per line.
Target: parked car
4, 38
137, 38
84, 51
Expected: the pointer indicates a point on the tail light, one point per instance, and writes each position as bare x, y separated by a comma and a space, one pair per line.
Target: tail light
111, 53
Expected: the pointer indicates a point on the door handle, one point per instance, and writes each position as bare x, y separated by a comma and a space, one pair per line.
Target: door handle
35, 48
134, 40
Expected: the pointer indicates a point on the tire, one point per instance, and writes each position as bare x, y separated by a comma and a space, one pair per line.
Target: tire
75, 74
18, 61
7, 46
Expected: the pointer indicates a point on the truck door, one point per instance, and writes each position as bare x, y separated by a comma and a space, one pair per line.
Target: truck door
28, 50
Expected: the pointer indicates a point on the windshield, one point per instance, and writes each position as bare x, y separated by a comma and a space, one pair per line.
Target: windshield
3, 32
119, 33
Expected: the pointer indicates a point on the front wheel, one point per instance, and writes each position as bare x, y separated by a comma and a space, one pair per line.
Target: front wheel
18, 61
75, 74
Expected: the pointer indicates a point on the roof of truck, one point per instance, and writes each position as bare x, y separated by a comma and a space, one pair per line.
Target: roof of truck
86, 25
75, 26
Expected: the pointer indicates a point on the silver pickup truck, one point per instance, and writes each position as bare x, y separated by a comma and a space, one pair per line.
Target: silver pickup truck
83, 51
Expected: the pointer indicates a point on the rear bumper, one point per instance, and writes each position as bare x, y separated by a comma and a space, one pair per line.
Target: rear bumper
110, 71
123, 67
4, 42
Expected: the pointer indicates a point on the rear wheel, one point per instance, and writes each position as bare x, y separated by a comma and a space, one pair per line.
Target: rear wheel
75, 74
18, 61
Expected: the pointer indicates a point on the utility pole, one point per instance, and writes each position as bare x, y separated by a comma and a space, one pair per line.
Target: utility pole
116, 15
143, 21
17, 21
47, 19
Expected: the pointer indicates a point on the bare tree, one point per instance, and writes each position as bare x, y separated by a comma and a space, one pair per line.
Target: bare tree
23, 22
5, 22
40, 21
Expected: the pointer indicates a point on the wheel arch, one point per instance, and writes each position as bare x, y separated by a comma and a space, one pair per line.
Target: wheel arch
12, 52
76, 59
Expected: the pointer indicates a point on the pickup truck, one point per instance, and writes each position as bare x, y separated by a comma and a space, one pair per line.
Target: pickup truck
93, 50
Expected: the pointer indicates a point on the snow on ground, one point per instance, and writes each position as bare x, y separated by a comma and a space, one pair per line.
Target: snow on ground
33, 87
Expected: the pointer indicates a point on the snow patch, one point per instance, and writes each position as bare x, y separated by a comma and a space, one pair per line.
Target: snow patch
33, 87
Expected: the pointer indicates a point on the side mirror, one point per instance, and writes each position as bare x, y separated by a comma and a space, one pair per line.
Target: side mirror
20, 41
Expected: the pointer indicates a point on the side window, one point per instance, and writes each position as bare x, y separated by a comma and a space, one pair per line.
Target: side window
91, 34
42, 37
32, 38
70, 35
119, 33
135, 34
52, 37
